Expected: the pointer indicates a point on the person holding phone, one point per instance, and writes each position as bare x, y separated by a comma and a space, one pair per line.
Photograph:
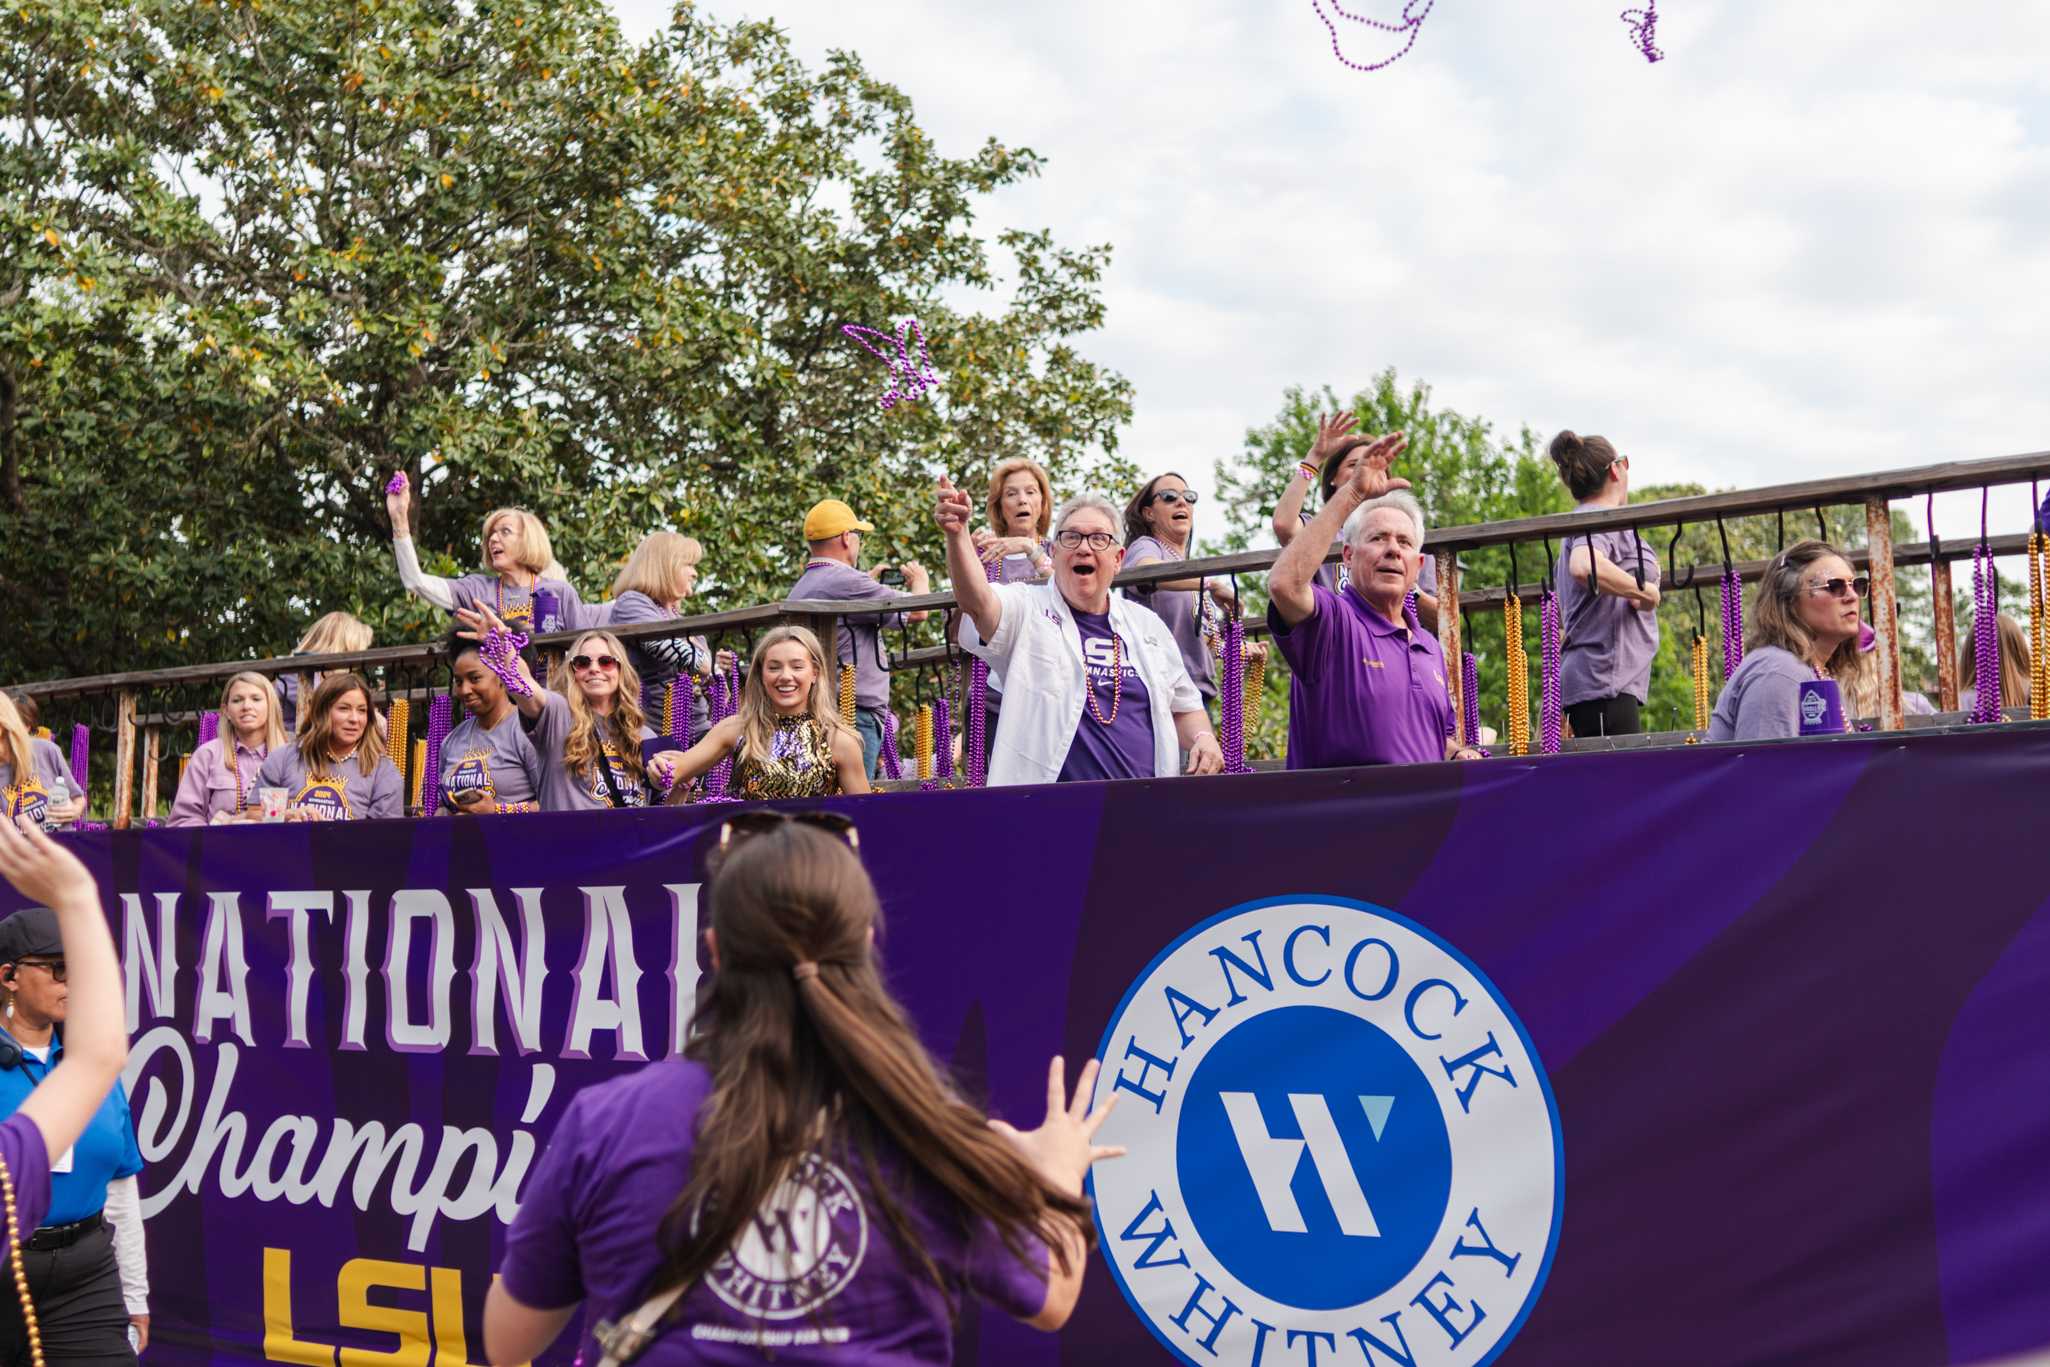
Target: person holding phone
61, 1055
834, 533
488, 763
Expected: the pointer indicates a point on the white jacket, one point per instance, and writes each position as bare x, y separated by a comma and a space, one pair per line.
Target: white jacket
1038, 648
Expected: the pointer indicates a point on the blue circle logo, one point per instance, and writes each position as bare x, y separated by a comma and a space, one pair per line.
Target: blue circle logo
1339, 1132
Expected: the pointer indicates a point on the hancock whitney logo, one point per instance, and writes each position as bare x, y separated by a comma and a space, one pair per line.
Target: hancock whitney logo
1343, 1148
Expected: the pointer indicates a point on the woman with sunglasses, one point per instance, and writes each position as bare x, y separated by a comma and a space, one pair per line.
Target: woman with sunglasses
588, 733
803, 1102
1158, 522
1804, 625
786, 738
519, 563
67, 1146
1610, 626
1333, 460
335, 769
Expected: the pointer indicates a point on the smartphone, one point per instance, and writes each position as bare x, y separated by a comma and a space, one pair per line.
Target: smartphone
894, 578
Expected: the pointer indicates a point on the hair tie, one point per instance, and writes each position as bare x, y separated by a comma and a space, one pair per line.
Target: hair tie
804, 970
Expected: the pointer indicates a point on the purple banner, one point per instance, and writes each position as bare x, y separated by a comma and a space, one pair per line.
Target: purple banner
1712, 1056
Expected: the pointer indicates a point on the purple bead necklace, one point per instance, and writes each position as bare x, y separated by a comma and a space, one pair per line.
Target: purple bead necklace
1412, 21
1733, 620
1985, 636
1470, 696
1232, 697
893, 763
209, 728
439, 714
1549, 711
81, 752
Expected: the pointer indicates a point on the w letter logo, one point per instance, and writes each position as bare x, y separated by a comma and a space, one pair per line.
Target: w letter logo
1272, 1162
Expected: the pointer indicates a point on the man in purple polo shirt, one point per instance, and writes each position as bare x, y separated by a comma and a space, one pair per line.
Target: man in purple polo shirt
834, 533
1368, 687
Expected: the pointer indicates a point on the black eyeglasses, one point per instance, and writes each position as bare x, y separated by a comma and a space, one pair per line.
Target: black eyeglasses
54, 967
1173, 496
740, 827
1098, 541
1836, 588
583, 662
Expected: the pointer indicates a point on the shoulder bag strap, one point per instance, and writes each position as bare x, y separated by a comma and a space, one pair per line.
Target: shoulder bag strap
622, 1342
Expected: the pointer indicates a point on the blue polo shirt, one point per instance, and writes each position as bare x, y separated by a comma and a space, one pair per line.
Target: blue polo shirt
104, 1152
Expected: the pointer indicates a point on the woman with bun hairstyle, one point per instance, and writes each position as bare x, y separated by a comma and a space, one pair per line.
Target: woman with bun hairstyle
1610, 625
336, 769
221, 779
517, 561
804, 1102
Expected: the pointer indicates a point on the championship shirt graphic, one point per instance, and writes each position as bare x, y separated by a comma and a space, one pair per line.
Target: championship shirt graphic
801, 1249
472, 774
28, 798
631, 793
1342, 1144
325, 797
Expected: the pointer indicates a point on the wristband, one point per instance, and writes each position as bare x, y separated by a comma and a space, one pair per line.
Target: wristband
1307, 471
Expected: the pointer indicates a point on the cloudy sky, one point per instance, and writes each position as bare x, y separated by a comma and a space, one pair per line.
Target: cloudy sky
1814, 240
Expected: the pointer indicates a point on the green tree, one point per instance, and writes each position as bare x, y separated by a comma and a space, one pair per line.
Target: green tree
259, 255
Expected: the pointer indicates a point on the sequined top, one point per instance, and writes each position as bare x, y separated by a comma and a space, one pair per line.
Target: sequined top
799, 764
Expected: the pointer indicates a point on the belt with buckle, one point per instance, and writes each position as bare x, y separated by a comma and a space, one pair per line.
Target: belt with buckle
52, 1237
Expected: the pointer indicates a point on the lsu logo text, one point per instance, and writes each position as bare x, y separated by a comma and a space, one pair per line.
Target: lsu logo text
1342, 1144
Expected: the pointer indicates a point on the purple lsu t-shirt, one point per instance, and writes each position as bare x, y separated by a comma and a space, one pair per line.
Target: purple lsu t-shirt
1608, 642
1123, 748
1364, 691
816, 1278
515, 606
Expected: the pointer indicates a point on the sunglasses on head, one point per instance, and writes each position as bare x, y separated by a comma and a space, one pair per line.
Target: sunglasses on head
1173, 496
740, 827
583, 662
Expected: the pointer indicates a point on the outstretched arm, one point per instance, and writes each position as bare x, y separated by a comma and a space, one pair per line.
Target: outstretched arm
972, 589
717, 745
1289, 583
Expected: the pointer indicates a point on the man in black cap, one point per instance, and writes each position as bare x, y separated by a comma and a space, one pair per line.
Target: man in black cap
85, 1263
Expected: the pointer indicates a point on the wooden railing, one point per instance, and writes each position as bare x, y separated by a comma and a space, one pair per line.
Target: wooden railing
139, 731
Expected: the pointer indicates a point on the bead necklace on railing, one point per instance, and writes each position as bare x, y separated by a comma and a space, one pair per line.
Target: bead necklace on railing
440, 713
723, 698
1732, 586
1985, 637
893, 761
921, 745
975, 726
398, 741
1232, 696
1256, 686
847, 704
942, 740
1470, 695
2039, 613
209, 728
416, 793
1549, 712
81, 753
1518, 662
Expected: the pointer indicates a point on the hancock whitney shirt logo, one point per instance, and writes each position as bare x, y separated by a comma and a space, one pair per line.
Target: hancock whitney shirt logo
799, 1252
1340, 1136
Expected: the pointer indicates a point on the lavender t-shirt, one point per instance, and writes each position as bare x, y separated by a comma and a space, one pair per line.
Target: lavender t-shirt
1762, 698
498, 761
50, 783
818, 1278
1124, 748
565, 791
1182, 610
1365, 690
1608, 642
338, 790
860, 638
515, 607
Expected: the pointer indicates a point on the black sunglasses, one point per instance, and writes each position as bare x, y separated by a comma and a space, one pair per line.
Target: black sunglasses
54, 967
740, 827
581, 662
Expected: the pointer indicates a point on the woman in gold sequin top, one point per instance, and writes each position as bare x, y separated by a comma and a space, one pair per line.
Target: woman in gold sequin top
787, 739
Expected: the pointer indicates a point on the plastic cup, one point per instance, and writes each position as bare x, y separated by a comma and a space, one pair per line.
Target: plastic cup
272, 802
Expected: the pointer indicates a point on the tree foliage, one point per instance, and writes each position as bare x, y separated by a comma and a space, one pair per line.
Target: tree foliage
258, 255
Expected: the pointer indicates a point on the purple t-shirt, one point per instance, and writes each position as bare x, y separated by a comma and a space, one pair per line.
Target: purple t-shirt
1762, 698
563, 790
335, 791
860, 637
28, 1163
1331, 574
515, 607
1182, 610
1608, 642
1124, 747
1364, 691
817, 1278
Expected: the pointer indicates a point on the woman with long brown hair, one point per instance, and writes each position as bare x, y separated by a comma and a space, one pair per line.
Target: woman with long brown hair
336, 769
588, 727
804, 1174
1804, 626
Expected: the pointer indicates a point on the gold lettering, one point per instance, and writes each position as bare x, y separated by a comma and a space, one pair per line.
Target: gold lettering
278, 1343
359, 1276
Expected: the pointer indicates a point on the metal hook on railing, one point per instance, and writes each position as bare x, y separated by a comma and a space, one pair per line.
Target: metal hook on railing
1546, 584
1724, 533
1780, 543
1929, 515
1821, 524
1673, 557
1515, 575
1700, 607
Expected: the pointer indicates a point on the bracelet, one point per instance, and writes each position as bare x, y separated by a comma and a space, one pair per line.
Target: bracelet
1307, 471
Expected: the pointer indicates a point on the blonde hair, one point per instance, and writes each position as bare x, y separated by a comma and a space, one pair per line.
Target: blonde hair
14, 740
317, 733
758, 715
273, 716
338, 633
530, 548
656, 567
580, 749
1774, 622
995, 506
2014, 661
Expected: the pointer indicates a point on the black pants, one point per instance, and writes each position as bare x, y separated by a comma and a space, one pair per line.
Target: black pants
79, 1310
1604, 716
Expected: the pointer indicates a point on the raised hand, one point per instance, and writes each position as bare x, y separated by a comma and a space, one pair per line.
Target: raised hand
1334, 435
952, 509
1063, 1147
1371, 479
397, 504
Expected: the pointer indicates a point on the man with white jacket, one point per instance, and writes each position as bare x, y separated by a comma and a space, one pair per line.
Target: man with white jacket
1094, 685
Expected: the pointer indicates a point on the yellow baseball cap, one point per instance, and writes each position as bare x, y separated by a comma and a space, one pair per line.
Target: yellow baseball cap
828, 518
